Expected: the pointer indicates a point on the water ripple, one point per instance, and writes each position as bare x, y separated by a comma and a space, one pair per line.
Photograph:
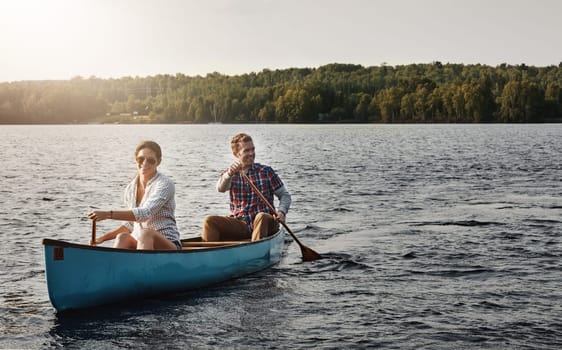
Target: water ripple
433, 237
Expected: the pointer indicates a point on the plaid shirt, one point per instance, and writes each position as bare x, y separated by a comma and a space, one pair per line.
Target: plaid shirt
244, 203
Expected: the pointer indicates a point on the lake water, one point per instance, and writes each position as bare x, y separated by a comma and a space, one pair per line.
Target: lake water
434, 236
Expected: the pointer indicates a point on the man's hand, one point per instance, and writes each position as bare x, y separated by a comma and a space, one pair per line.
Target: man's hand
234, 168
280, 216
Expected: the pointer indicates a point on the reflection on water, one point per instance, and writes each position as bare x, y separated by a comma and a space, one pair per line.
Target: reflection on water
434, 236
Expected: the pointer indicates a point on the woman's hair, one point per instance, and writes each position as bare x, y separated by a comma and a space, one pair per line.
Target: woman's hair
241, 137
151, 145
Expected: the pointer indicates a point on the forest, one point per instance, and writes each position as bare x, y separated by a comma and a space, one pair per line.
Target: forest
333, 93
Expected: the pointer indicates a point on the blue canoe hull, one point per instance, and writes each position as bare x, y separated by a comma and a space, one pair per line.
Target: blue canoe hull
80, 276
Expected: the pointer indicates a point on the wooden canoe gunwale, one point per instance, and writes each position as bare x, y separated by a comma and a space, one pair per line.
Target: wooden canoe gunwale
196, 241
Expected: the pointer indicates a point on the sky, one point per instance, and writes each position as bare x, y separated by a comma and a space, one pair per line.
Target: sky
62, 39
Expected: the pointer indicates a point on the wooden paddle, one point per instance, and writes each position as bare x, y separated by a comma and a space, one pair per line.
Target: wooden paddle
93, 232
307, 253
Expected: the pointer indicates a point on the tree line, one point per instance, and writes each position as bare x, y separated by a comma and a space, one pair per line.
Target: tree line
414, 93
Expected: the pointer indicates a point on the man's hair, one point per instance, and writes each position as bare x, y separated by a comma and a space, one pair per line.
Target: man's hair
241, 137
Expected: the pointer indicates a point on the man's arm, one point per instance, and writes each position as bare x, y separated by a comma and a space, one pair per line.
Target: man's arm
223, 184
284, 199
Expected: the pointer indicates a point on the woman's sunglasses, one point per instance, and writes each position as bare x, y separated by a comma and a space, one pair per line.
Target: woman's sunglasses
150, 161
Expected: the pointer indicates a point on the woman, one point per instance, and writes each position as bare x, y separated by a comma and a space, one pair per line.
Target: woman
151, 223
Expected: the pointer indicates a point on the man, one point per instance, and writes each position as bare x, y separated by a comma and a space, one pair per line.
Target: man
250, 216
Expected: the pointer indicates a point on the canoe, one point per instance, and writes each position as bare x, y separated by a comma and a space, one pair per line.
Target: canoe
81, 276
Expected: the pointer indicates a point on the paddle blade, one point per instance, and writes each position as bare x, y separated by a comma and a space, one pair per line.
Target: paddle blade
309, 254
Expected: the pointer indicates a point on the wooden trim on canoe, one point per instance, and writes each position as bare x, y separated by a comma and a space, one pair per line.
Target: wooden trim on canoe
211, 244
195, 243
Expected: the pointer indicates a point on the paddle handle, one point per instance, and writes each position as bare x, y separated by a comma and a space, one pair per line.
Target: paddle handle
93, 232
257, 191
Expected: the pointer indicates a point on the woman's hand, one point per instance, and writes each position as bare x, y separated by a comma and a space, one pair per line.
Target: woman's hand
99, 215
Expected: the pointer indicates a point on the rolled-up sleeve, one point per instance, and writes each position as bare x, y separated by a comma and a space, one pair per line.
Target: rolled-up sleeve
223, 183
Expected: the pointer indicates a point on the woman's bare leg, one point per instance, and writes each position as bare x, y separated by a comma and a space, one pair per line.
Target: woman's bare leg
152, 239
125, 241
